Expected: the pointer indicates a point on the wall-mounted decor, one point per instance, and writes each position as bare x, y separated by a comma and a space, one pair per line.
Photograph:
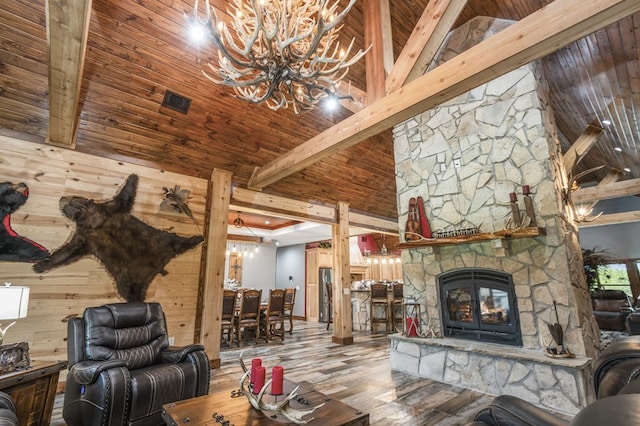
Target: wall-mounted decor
13, 247
176, 199
132, 251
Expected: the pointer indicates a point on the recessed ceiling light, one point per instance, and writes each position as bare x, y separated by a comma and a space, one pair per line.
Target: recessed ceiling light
628, 170
266, 222
617, 148
606, 122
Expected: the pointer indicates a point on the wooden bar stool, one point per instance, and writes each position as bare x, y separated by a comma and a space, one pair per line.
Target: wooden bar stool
379, 302
397, 308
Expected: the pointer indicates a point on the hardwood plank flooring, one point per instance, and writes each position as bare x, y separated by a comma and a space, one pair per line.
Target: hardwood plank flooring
358, 375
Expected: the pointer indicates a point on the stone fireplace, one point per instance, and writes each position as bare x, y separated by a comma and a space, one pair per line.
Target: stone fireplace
466, 158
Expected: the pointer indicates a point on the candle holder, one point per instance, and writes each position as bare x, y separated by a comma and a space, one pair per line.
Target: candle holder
287, 413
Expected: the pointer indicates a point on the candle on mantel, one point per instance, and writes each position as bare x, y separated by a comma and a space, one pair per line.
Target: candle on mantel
255, 362
258, 382
277, 380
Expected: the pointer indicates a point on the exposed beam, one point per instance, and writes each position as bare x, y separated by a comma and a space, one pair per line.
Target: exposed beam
373, 224
541, 33
606, 192
609, 178
294, 209
581, 146
613, 219
67, 29
377, 20
246, 238
435, 23
258, 202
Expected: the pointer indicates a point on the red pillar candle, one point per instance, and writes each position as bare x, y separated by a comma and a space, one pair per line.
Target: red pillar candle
255, 362
512, 197
258, 382
526, 190
277, 380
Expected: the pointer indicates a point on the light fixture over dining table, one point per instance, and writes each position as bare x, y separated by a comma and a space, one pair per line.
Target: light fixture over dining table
280, 52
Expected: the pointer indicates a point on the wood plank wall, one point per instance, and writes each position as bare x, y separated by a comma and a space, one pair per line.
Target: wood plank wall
51, 173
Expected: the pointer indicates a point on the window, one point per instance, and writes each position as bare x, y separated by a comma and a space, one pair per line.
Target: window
614, 276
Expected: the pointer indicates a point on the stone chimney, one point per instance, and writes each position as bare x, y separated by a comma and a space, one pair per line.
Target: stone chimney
465, 158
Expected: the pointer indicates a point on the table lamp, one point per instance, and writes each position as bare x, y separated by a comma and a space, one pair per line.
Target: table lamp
14, 303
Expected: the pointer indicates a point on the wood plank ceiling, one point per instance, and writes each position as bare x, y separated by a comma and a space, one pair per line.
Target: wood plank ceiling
136, 51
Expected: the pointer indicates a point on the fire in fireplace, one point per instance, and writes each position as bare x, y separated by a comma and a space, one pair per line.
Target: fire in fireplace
480, 304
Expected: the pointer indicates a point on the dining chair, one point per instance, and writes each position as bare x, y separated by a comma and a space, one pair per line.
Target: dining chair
273, 320
248, 318
289, 301
229, 298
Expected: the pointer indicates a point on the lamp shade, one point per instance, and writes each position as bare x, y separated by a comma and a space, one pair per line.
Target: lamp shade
14, 302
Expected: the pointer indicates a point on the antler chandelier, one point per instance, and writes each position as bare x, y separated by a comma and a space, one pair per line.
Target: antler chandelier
280, 52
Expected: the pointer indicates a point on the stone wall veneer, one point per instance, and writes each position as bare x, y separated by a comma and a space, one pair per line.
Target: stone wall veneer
464, 158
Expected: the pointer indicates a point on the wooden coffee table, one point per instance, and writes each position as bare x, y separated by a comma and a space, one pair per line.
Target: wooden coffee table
233, 407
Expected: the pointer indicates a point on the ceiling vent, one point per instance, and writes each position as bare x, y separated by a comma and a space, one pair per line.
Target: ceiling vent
176, 102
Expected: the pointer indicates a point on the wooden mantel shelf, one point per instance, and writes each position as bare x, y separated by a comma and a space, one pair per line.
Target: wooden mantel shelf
474, 238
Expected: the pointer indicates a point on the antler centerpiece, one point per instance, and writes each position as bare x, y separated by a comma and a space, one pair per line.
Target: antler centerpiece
283, 407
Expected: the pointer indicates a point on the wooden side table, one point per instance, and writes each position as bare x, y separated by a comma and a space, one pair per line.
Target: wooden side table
33, 391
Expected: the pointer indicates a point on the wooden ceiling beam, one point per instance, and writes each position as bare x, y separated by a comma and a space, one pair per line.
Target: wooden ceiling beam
377, 35
67, 30
608, 179
581, 147
541, 33
607, 191
435, 23
258, 202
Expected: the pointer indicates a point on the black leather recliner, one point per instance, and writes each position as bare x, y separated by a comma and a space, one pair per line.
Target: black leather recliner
8, 415
122, 369
617, 386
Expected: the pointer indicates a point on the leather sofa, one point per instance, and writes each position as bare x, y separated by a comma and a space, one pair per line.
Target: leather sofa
611, 308
617, 386
8, 415
122, 369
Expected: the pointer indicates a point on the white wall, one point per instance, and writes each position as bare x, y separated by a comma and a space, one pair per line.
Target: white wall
259, 272
290, 263
271, 268
620, 240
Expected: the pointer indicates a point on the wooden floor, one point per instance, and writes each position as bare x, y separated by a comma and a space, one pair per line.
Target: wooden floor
358, 375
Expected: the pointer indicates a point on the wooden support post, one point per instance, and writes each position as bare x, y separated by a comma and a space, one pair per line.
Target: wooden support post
219, 197
342, 322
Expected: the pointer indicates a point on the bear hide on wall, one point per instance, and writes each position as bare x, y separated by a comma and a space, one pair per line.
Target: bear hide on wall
132, 251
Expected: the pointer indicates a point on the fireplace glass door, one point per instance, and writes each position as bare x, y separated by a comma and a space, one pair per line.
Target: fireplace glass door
480, 304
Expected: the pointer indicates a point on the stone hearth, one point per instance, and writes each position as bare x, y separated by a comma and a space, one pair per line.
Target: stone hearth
464, 158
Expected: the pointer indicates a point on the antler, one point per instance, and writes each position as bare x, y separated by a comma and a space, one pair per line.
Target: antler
571, 186
278, 53
284, 408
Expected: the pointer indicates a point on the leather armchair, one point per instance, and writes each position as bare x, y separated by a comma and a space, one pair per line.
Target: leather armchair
8, 415
611, 308
122, 369
617, 386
